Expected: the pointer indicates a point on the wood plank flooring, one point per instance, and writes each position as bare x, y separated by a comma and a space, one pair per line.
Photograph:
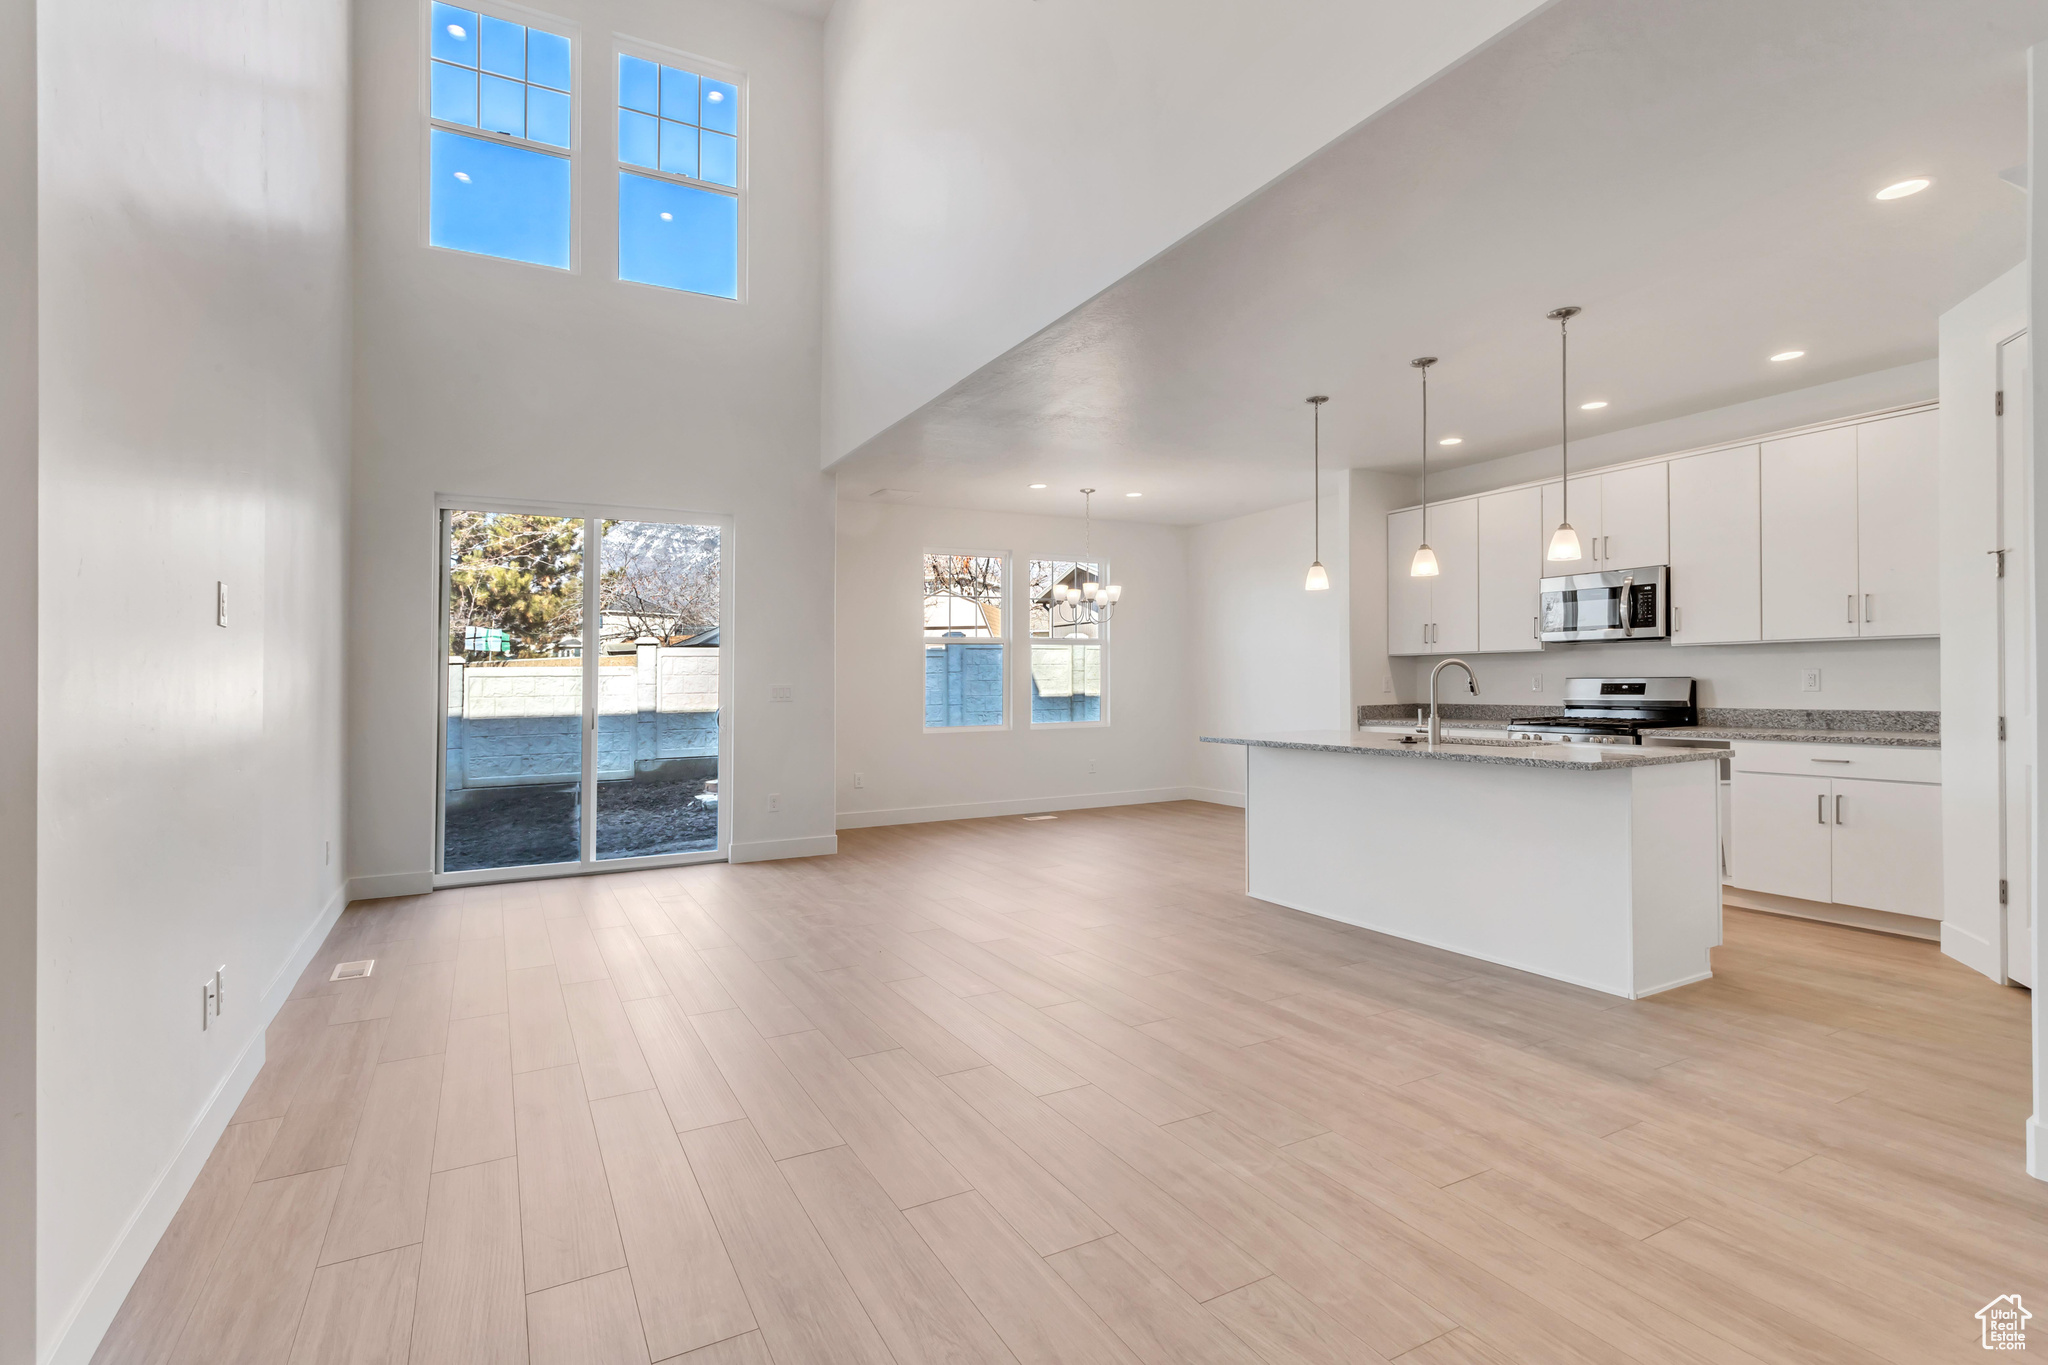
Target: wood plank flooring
1026, 1093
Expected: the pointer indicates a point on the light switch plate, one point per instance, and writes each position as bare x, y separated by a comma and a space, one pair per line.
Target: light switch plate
782, 691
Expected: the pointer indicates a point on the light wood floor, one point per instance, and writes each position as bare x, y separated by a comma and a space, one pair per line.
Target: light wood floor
1059, 1092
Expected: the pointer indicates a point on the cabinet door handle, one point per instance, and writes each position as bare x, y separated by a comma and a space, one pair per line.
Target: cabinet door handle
1536, 627
1674, 620
1838, 809
1866, 605
1820, 813
1607, 547
1852, 608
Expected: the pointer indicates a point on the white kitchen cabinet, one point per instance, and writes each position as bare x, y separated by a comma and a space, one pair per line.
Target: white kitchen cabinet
1898, 573
1634, 518
1716, 534
1887, 845
1511, 540
1808, 516
1585, 518
1407, 598
1782, 840
1454, 593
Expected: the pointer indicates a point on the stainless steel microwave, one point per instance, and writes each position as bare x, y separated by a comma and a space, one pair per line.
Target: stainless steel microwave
1617, 604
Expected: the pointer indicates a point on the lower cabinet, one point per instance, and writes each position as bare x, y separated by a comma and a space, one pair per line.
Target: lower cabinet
1868, 841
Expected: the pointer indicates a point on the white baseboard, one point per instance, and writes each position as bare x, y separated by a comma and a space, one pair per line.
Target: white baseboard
764, 850
1854, 916
390, 884
1036, 805
1216, 796
79, 1335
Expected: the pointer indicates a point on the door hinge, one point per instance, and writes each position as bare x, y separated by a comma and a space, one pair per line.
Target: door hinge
1999, 404
2002, 891
2000, 554
2001, 727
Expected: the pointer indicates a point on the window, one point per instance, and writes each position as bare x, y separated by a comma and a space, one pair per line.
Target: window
679, 177
1069, 648
501, 118
964, 634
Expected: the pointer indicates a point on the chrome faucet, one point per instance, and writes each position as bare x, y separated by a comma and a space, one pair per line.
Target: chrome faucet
1436, 732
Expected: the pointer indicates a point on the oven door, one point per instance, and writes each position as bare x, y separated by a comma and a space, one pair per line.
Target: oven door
1620, 604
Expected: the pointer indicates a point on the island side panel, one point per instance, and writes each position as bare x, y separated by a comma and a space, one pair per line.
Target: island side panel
1525, 867
1676, 860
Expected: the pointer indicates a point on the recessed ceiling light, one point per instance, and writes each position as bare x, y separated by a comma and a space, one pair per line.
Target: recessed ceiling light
1038, 485
1788, 355
1903, 188
1596, 404
1134, 495
463, 176
1452, 441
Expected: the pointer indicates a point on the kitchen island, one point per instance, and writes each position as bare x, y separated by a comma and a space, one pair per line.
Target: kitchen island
1597, 865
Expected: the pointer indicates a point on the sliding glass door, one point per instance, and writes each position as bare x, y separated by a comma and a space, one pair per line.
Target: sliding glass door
584, 691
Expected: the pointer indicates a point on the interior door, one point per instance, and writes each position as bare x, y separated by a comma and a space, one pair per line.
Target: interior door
1809, 536
1887, 853
1407, 597
1635, 511
1898, 564
1510, 566
1715, 534
1783, 840
2016, 655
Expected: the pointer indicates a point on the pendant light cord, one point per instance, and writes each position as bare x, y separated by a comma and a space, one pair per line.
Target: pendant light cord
1564, 416
1318, 408
1425, 454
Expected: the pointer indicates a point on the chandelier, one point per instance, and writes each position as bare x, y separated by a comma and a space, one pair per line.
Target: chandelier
1090, 603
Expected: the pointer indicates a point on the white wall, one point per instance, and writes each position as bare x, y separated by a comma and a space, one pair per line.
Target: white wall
486, 378
1267, 655
908, 774
193, 394
2037, 325
1897, 387
995, 165
18, 691
1369, 496
1972, 780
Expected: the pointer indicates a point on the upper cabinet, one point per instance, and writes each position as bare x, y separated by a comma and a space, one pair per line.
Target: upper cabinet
1437, 615
1511, 543
1821, 536
1896, 530
1622, 517
1809, 536
1716, 548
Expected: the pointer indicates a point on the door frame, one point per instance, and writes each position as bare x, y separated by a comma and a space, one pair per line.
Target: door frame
2010, 534
588, 863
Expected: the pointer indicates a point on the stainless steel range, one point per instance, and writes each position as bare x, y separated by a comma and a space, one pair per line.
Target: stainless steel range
1614, 711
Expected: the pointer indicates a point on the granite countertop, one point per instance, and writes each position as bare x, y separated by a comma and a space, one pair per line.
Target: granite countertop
1535, 755
1885, 729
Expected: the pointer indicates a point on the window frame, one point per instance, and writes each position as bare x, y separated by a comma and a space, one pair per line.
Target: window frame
1102, 639
1007, 639
531, 18
662, 55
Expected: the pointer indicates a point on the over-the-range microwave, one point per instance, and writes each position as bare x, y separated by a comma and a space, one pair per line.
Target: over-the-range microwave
1615, 604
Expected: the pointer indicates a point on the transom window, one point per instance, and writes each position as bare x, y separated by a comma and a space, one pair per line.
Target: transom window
679, 151
500, 101
965, 638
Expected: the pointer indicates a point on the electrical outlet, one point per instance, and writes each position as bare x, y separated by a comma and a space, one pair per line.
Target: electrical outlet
1387, 684
220, 604
782, 691
774, 803
1809, 680
208, 996
1091, 765
860, 779
1535, 682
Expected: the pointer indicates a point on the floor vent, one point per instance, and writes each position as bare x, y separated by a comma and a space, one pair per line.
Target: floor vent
1041, 817
352, 971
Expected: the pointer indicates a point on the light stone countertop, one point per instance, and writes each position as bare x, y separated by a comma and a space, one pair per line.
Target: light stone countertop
1505, 754
1884, 739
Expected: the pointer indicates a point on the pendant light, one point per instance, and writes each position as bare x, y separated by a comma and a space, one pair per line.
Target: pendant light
1424, 565
1072, 606
1318, 577
1564, 542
